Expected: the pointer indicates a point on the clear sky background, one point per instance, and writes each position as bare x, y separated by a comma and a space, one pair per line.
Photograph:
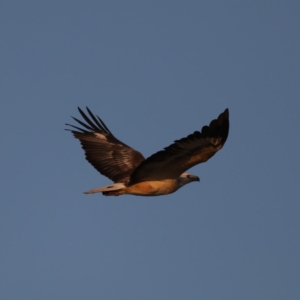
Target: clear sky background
155, 71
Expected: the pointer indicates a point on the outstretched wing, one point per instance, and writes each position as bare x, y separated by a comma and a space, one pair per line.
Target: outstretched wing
184, 153
107, 154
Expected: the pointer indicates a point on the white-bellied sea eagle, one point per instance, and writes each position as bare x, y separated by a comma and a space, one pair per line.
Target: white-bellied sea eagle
160, 174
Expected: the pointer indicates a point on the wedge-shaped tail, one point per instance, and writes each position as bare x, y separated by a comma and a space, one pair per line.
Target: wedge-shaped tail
108, 188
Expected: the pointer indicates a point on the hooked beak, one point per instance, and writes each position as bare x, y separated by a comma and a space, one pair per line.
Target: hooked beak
194, 178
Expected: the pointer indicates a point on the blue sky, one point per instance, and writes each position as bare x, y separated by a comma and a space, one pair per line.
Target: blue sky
154, 71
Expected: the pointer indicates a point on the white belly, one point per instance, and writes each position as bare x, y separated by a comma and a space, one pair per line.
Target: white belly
153, 188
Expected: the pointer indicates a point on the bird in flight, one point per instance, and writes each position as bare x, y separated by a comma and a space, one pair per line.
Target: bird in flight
160, 174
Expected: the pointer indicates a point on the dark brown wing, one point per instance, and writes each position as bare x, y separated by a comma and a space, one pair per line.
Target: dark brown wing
107, 154
184, 153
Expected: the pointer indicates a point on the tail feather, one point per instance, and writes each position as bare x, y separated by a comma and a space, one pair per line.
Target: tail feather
108, 188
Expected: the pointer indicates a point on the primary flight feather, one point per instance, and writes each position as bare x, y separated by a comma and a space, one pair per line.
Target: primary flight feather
160, 174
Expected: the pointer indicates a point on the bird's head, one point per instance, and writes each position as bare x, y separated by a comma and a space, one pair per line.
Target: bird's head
187, 178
